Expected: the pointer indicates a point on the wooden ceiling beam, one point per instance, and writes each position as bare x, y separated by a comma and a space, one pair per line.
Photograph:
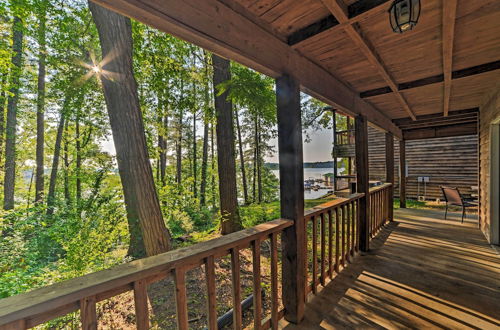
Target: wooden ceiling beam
449, 15
216, 27
457, 74
473, 112
441, 131
356, 12
437, 123
340, 11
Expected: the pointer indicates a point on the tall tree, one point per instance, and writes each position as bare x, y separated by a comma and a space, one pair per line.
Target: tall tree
230, 218
51, 196
11, 127
40, 113
3, 96
242, 160
120, 92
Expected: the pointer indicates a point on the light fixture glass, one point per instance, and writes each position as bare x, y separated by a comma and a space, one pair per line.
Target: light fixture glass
404, 14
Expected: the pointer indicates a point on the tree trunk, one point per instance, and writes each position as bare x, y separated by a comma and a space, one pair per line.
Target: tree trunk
67, 194
195, 161
259, 163
230, 218
11, 127
204, 164
162, 146
3, 96
141, 200
242, 160
178, 152
78, 165
40, 114
255, 156
212, 151
55, 160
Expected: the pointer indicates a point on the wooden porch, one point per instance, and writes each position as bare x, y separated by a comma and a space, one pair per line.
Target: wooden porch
418, 271
421, 272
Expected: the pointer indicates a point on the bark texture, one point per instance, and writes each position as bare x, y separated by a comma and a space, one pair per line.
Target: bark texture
40, 110
230, 219
242, 160
120, 92
55, 161
11, 126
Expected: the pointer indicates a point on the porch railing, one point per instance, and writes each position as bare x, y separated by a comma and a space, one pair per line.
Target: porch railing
82, 293
344, 137
334, 226
338, 222
380, 204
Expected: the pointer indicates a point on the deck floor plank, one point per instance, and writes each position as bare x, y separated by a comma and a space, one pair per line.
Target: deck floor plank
422, 272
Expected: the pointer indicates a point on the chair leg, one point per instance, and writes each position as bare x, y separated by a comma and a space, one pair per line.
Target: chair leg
463, 213
446, 211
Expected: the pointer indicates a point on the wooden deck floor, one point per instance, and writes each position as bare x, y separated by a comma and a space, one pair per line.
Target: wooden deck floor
421, 272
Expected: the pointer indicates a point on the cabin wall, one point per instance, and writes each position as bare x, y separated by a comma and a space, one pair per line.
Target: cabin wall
488, 113
450, 161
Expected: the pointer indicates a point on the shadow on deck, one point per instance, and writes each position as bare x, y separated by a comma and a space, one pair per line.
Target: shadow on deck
421, 272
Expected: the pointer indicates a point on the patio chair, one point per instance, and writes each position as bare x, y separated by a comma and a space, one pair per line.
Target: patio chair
452, 196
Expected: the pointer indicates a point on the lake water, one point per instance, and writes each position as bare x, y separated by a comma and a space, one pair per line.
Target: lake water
312, 173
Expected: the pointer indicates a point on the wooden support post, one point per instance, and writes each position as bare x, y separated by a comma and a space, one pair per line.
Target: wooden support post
402, 174
334, 151
292, 196
389, 172
362, 180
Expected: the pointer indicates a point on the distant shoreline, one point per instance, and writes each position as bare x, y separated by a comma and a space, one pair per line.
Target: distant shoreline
327, 164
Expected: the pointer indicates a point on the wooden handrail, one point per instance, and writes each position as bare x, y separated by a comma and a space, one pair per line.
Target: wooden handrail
35, 307
335, 230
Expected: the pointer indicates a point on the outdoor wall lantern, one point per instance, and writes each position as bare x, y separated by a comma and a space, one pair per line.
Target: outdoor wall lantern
404, 15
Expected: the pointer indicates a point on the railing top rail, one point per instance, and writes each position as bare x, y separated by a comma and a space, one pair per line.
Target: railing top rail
317, 210
345, 131
380, 187
69, 292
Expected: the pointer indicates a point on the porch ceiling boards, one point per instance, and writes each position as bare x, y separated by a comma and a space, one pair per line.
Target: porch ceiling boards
344, 51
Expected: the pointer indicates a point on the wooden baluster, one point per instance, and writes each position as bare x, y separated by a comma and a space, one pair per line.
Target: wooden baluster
374, 214
211, 295
315, 254
257, 290
383, 201
381, 209
88, 313
179, 275
343, 235
323, 249
358, 220
378, 212
386, 204
348, 232
370, 215
337, 239
235, 274
274, 281
330, 244
353, 226
141, 305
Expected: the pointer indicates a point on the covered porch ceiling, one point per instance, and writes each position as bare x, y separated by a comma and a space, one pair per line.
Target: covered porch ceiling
344, 52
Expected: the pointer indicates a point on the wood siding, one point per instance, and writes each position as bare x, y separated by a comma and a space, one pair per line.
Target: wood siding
487, 114
448, 161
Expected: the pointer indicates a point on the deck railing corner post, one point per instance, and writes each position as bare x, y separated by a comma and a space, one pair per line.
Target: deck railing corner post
362, 177
291, 196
